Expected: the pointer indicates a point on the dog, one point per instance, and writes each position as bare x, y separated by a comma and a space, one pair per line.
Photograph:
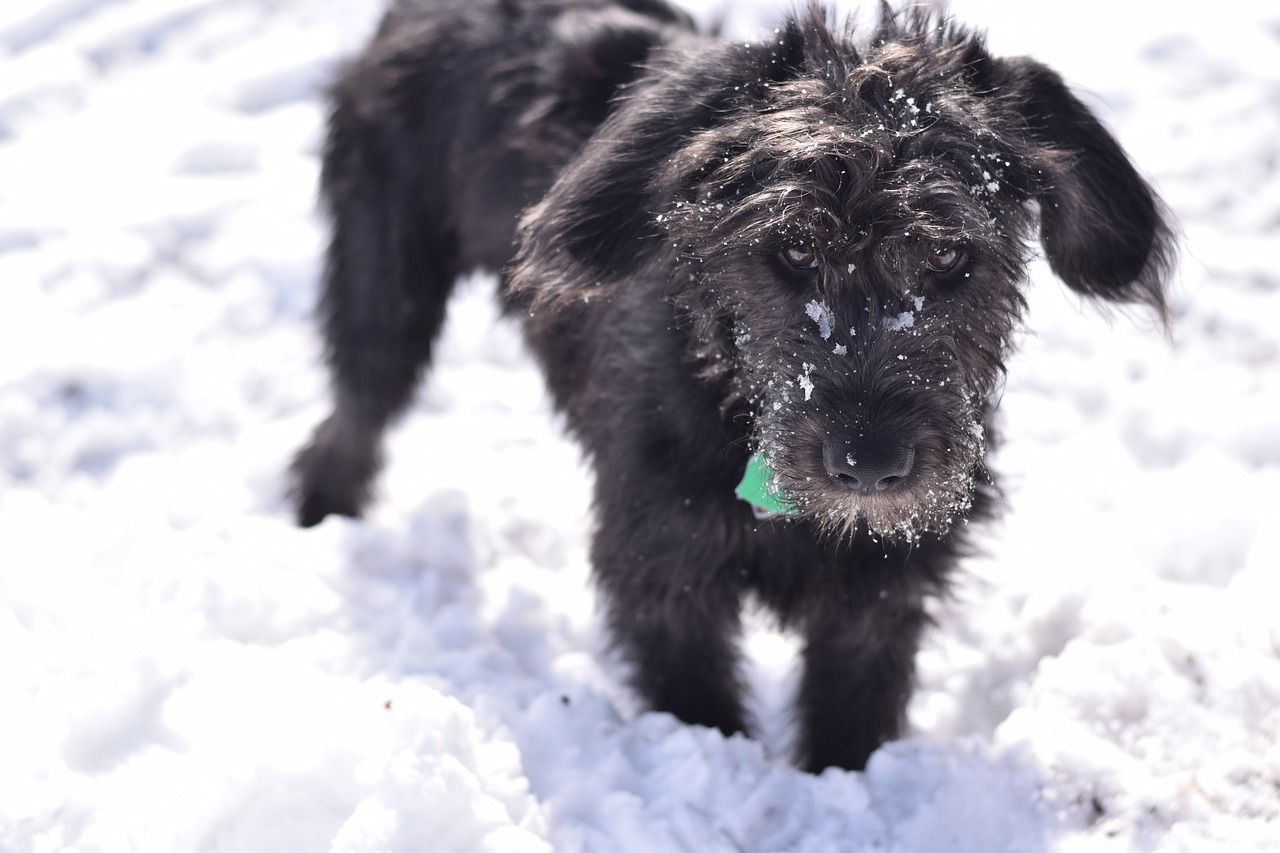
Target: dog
772, 286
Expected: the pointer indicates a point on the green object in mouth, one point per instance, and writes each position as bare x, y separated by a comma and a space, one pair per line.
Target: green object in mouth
756, 489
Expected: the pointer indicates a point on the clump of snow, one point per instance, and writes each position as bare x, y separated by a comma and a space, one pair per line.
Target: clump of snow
820, 314
185, 669
805, 382
898, 322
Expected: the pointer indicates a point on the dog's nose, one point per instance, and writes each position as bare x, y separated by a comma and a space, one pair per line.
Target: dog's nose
865, 466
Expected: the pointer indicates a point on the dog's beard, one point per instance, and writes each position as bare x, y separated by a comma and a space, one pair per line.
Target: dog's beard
794, 413
933, 501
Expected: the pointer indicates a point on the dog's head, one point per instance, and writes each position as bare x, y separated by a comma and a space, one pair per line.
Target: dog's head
845, 229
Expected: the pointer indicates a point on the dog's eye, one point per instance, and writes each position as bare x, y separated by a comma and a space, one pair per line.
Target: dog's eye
801, 257
944, 259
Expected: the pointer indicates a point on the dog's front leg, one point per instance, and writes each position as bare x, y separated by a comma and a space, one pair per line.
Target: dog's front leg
673, 599
859, 668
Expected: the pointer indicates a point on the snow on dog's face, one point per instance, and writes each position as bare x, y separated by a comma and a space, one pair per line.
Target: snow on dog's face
853, 241
846, 231
853, 271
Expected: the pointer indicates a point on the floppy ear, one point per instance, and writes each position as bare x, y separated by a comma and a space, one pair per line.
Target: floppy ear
598, 223
1103, 228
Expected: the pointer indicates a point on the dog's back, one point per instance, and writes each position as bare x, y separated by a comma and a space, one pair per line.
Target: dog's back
456, 117
471, 107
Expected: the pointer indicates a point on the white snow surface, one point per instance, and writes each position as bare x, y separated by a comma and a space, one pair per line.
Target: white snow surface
181, 668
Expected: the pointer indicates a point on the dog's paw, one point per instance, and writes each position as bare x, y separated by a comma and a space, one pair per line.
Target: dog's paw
332, 475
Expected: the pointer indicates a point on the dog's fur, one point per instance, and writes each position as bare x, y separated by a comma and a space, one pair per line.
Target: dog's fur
805, 246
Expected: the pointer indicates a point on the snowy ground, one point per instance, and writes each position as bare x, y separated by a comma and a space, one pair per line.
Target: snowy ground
181, 668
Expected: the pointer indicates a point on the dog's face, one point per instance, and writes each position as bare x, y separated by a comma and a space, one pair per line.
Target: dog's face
848, 235
854, 249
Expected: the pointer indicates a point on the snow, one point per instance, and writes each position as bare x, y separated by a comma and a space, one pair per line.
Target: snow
820, 314
184, 669
900, 322
805, 382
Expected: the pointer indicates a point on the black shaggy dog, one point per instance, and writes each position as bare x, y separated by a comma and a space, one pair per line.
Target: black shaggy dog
805, 253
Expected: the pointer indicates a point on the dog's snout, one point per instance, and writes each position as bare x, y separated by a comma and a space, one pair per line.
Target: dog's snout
867, 466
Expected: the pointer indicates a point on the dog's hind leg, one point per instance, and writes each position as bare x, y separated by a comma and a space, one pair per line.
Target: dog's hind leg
390, 268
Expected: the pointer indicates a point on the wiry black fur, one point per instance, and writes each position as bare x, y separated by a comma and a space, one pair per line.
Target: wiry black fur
658, 179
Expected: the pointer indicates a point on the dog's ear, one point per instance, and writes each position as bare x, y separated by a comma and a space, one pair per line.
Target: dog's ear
1104, 230
598, 224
